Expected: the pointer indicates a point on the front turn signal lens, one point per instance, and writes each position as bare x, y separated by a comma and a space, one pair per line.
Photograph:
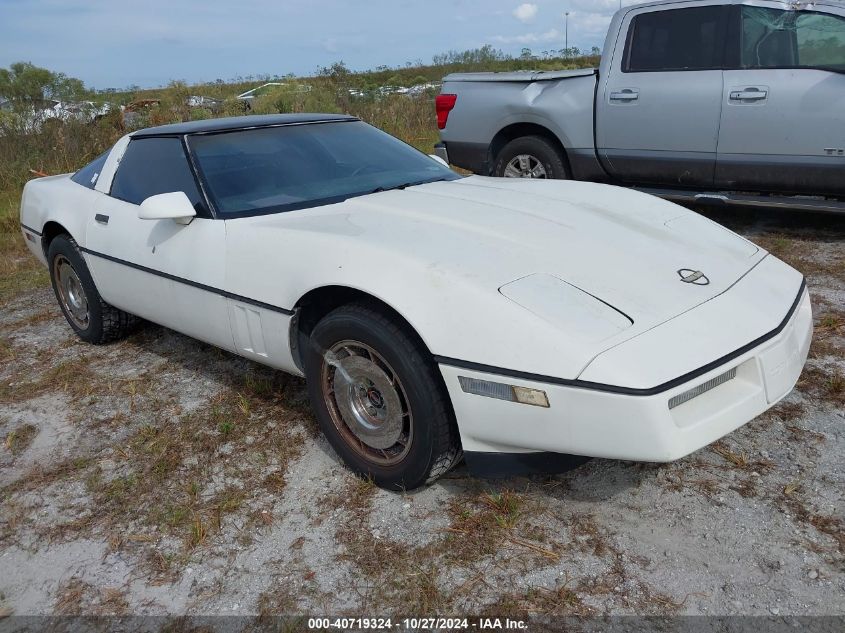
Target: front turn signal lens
533, 397
503, 391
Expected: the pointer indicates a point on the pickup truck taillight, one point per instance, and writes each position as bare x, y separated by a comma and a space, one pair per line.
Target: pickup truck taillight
444, 104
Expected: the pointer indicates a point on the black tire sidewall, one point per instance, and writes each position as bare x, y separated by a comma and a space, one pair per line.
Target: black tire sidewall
409, 364
63, 245
534, 146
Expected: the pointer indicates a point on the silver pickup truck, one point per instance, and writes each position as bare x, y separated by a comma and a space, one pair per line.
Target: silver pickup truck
736, 101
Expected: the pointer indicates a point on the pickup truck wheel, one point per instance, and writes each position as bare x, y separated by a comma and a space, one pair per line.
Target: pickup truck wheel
93, 320
379, 398
530, 157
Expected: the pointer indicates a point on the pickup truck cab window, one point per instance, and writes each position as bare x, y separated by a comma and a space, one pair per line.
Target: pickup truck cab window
151, 166
677, 39
773, 38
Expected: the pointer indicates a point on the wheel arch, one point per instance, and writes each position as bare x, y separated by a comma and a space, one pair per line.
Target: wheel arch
50, 231
525, 128
318, 302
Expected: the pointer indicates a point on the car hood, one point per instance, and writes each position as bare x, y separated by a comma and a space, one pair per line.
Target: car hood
621, 246
445, 256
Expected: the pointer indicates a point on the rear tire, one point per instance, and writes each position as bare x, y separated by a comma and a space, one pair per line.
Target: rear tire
379, 398
93, 320
530, 157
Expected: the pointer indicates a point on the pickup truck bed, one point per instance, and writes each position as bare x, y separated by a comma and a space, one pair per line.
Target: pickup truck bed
681, 106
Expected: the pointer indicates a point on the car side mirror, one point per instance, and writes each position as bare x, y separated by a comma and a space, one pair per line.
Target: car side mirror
168, 206
438, 159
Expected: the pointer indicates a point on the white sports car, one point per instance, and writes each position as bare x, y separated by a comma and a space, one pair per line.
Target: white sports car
521, 323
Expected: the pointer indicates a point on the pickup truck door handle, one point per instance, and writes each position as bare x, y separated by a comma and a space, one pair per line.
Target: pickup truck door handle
627, 94
101, 219
749, 94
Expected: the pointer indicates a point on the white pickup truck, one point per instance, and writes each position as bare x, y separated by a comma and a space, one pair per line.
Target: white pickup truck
735, 101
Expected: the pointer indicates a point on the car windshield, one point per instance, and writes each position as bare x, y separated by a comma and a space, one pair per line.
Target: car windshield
275, 169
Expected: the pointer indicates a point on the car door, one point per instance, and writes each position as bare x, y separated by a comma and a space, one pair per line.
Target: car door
658, 108
782, 125
163, 271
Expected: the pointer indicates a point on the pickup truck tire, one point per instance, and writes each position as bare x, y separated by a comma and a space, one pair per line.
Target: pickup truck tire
530, 157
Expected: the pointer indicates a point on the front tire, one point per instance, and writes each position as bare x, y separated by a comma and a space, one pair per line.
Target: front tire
379, 398
530, 157
93, 320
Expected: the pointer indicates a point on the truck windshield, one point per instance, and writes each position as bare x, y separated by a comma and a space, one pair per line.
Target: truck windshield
276, 169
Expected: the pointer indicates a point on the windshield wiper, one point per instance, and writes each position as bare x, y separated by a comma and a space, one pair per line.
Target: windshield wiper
394, 187
404, 185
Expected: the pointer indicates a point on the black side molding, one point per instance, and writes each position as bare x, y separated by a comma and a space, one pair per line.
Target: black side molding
188, 282
627, 391
498, 465
31, 230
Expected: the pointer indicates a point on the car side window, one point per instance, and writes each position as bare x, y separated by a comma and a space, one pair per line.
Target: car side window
676, 40
773, 38
88, 175
151, 166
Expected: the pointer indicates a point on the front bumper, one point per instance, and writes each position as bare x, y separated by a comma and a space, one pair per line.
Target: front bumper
582, 421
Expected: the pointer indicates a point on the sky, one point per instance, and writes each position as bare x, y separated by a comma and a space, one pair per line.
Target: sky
118, 43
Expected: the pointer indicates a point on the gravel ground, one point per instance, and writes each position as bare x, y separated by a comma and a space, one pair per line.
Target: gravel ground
161, 476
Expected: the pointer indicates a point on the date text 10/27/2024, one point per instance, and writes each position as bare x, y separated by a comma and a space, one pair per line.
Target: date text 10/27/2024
412, 624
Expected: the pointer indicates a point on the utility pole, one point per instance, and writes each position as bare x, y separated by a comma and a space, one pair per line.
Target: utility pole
566, 41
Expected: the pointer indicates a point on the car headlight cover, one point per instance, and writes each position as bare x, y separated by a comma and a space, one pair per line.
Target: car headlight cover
567, 307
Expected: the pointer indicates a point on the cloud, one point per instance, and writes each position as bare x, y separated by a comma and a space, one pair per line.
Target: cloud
585, 24
551, 35
525, 12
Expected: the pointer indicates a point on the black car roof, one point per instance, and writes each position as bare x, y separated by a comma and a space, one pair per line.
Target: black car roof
238, 123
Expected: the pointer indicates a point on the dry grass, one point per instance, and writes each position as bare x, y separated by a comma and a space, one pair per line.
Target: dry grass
829, 525
19, 440
20, 272
799, 251
739, 459
561, 600
185, 475
394, 576
179, 475
826, 384
787, 411
70, 600
76, 597
482, 524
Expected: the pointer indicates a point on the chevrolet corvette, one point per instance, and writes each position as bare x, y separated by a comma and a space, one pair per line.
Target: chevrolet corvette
524, 324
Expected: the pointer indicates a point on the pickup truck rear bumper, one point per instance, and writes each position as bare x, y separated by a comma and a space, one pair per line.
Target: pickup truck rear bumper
471, 156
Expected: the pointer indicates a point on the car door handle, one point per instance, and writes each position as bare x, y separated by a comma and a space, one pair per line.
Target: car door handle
749, 95
625, 95
102, 219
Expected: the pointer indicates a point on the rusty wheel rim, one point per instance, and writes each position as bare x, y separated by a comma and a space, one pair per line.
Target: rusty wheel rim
367, 402
71, 293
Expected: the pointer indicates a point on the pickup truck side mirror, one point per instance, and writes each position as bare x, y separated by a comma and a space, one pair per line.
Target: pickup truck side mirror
439, 160
168, 206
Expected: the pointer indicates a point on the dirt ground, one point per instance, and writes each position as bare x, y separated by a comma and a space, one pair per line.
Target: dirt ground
162, 476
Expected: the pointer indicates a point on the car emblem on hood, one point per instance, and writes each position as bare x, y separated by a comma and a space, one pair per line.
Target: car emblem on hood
693, 277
